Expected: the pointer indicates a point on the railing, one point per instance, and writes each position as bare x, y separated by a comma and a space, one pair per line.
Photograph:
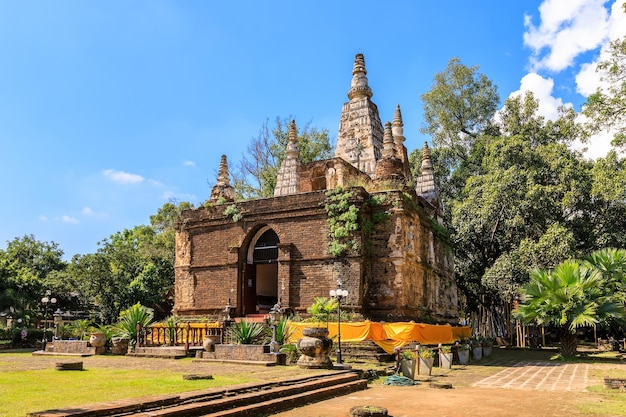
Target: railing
183, 334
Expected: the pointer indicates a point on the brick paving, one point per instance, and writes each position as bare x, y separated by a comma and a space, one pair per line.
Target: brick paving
543, 376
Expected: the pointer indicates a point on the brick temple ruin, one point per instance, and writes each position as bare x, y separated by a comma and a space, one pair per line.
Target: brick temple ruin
253, 254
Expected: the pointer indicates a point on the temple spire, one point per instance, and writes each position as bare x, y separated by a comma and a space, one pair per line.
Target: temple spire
288, 178
398, 139
360, 135
389, 150
359, 88
222, 189
426, 186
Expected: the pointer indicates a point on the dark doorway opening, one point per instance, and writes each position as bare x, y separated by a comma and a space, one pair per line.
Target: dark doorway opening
261, 273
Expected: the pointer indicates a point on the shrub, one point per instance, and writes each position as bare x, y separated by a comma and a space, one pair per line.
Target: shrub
246, 332
127, 326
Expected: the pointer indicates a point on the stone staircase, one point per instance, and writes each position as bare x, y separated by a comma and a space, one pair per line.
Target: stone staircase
166, 352
235, 401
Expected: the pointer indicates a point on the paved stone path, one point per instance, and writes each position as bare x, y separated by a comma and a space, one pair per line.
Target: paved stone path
543, 376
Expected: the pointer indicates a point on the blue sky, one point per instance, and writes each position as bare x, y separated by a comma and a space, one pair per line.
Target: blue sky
110, 109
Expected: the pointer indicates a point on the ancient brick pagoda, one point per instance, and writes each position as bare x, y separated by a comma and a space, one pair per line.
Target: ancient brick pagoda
398, 264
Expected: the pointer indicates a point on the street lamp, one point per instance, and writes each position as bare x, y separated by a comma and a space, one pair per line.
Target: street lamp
45, 301
340, 295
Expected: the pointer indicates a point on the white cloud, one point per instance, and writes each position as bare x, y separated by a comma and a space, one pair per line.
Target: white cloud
123, 177
69, 219
567, 29
87, 211
43, 218
189, 163
588, 79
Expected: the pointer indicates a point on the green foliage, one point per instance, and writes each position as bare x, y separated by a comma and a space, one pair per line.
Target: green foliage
572, 295
343, 221
233, 212
425, 353
246, 332
291, 350
407, 354
284, 331
605, 108
322, 308
126, 327
25, 265
81, 328
459, 108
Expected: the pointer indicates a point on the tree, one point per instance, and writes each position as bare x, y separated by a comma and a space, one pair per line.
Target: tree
25, 266
568, 297
255, 176
164, 224
606, 108
458, 109
605, 222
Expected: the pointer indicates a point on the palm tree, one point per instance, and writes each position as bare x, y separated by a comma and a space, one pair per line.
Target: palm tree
611, 263
568, 297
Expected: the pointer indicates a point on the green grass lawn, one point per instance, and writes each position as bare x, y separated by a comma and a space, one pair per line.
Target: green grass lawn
27, 391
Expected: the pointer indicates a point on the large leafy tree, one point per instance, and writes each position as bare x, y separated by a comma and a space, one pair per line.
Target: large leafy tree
25, 268
572, 295
516, 196
132, 266
255, 176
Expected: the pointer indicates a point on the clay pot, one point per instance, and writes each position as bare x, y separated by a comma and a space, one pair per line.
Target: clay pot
209, 342
98, 340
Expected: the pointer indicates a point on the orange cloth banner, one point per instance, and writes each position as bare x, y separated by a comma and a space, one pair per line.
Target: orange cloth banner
390, 335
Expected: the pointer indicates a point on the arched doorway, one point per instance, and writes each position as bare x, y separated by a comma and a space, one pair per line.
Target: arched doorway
261, 273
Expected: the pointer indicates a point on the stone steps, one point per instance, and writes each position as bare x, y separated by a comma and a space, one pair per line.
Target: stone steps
174, 352
243, 400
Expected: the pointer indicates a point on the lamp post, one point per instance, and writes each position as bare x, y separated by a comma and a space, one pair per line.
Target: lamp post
46, 300
340, 295
58, 319
274, 318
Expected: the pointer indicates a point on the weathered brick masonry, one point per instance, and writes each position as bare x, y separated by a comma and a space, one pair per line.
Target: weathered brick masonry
252, 254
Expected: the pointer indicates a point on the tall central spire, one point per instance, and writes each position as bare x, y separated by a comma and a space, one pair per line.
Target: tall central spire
359, 88
360, 137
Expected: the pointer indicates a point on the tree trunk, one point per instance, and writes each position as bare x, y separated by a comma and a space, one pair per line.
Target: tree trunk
569, 343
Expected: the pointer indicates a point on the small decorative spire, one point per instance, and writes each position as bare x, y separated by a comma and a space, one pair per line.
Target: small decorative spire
389, 150
288, 178
292, 144
398, 126
359, 88
223, 189
222, 173
426, 186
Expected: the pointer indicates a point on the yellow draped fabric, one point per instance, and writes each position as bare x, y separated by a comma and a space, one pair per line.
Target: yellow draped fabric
391, 335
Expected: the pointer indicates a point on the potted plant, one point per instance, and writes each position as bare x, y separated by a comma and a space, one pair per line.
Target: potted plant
445, 356
408, 363
462, 349
477, 349
487, 343
426, 359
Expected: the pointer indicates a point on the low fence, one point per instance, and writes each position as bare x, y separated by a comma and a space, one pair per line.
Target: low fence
386, 335
183, 334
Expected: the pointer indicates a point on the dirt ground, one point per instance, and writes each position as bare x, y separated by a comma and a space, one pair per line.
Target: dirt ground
470, 396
